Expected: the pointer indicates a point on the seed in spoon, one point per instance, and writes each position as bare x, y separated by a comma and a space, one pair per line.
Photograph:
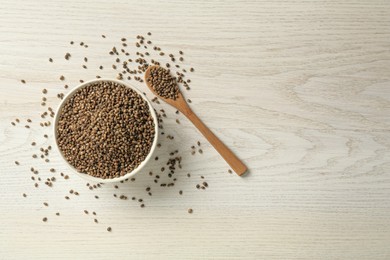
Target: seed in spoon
163, 83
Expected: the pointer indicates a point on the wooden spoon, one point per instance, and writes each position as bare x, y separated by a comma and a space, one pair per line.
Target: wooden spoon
180, 104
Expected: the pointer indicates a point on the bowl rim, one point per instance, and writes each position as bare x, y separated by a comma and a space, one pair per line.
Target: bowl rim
89, 177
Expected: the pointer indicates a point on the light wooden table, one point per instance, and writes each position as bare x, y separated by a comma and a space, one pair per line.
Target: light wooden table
300, 90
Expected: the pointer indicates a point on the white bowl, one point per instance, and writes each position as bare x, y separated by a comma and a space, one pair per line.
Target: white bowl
127, 175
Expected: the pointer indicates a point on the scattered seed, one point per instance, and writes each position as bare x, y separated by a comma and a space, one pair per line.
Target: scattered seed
142, 64
44, 219
190, 211
109, 229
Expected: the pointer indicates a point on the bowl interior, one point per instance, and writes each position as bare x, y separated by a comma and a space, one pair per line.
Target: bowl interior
89, 177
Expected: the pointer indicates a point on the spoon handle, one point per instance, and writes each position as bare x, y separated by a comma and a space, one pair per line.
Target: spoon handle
236, 164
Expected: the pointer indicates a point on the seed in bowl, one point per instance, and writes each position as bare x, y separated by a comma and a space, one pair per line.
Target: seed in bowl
105, 130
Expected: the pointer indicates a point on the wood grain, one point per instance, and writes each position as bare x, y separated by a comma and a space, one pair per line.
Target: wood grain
298, 89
